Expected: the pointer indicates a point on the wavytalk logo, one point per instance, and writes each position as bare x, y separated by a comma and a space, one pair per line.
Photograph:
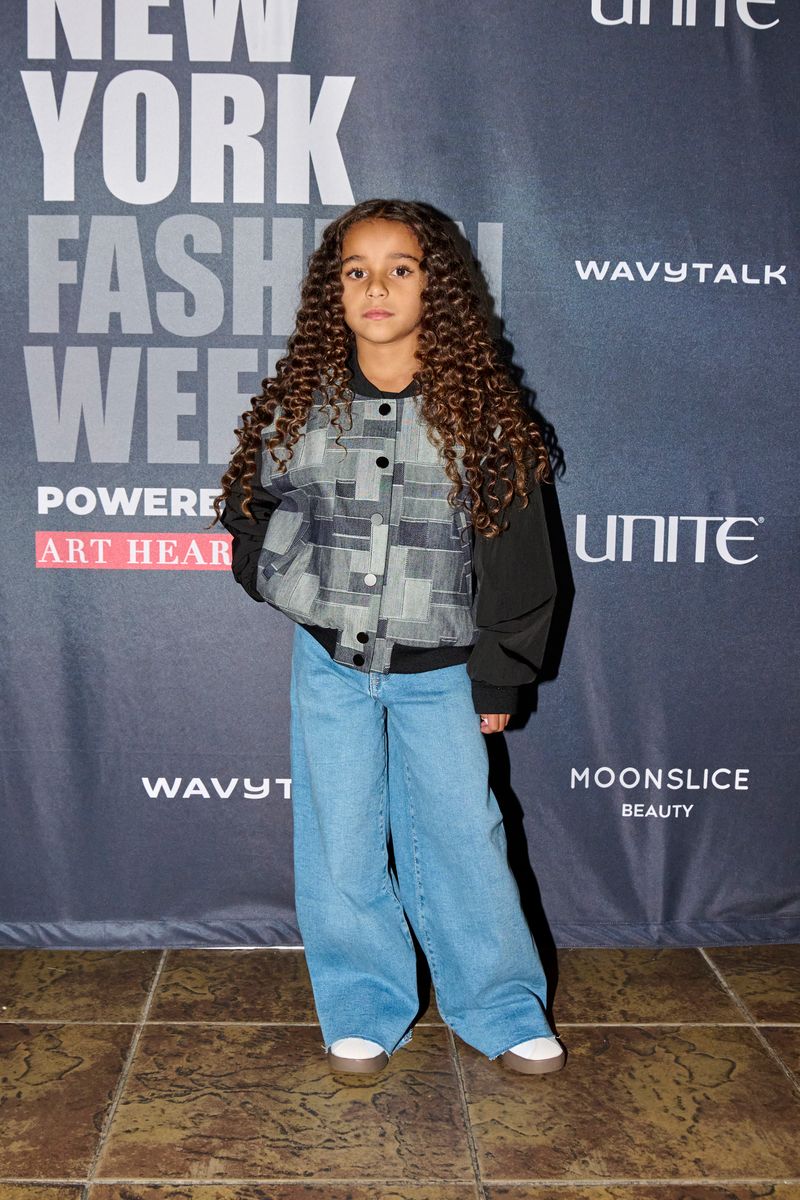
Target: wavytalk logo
663, 539
179, 787
682, 13
594, 271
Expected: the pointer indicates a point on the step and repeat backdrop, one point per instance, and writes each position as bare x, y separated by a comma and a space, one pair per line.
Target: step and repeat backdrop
625, 172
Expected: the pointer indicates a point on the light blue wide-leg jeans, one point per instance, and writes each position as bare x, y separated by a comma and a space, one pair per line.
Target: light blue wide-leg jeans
372, 753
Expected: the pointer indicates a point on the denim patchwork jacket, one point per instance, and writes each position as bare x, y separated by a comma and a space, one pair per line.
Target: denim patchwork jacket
357, 543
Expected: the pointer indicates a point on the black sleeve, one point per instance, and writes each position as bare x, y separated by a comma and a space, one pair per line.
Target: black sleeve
248, 536
513, 606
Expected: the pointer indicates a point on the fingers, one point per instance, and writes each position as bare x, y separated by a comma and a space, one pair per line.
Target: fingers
494, 722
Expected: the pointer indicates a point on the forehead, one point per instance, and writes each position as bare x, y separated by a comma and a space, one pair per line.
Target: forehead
379, 239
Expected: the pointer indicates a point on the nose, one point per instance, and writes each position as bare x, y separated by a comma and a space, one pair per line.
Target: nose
376, 287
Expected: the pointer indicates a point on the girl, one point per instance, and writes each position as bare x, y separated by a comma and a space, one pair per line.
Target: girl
385, 495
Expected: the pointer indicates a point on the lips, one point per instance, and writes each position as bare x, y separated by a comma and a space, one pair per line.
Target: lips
377, 314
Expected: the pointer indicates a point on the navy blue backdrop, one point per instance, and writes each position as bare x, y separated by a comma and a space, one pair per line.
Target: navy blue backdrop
626, 174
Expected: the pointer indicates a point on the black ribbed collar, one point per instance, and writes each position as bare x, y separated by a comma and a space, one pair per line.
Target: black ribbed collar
362, 386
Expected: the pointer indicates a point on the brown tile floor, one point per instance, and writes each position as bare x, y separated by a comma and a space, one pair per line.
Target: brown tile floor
200, 1075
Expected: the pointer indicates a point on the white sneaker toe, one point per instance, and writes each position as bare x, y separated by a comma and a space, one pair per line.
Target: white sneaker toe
538, 1048
536, 1056
356, 1047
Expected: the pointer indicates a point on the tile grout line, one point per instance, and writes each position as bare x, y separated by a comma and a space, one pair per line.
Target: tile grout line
607, 1182
702, 1181
418, 1025
480, 1191
123, 1077
743, 1008
170, 1021
223, 1181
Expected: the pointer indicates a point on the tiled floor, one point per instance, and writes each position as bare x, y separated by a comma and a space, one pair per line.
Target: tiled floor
200, 1074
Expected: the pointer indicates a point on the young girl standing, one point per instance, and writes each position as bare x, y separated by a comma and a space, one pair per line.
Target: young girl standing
385, 495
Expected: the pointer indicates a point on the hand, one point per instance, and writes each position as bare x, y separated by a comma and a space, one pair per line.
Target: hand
494, 722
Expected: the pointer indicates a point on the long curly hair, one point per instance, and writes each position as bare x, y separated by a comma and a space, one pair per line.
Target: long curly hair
467, 391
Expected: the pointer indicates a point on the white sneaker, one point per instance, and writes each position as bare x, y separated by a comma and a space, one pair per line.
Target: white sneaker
356, 1047
358, 1055
536, 1056
538, 1048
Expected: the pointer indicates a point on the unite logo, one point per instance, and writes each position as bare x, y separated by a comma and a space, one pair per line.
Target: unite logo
684, 12
661, 538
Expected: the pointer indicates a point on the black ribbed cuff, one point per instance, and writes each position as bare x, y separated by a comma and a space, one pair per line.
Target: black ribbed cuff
494, 698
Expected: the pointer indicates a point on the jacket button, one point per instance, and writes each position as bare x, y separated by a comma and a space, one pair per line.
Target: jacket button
363, 637
385, 408
358, 659
377, 518
370, 579
382, 461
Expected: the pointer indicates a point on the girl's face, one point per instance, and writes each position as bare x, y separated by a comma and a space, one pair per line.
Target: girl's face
382, 283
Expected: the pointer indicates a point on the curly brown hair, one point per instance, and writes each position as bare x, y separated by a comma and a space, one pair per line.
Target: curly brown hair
467, 390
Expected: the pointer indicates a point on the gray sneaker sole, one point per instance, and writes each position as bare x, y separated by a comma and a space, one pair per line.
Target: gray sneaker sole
358, 1066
